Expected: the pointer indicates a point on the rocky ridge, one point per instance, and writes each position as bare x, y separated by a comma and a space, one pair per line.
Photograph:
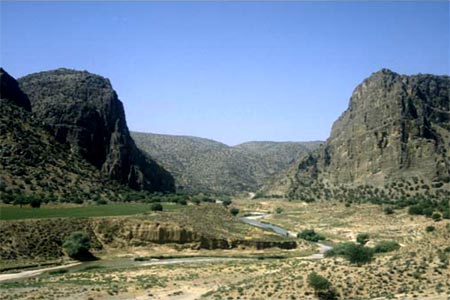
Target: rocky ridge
34, 164
82, 110
396, 130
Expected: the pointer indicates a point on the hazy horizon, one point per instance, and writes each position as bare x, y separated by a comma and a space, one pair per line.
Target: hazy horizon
232, 72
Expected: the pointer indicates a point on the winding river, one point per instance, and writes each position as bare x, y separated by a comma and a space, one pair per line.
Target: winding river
252, 219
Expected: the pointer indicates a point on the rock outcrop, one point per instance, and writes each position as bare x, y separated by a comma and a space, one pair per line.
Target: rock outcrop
38, 239
82, 110
33, 163
10, 91
397, 128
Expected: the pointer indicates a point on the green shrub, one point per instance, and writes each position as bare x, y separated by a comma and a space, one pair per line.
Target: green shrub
415, 210
322, 287
226, 202
362, 238
156, 207
279, 210
430, 229
310, 235
389, 210
340, 249
386, 246
358, 254
35, 202
354, 253
77, 246
317, 282
436, 216
234, 211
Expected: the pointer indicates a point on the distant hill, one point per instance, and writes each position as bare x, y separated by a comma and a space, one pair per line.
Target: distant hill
205, 165
392, 142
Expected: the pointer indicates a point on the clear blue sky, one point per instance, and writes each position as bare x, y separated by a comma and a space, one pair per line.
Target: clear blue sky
233, 72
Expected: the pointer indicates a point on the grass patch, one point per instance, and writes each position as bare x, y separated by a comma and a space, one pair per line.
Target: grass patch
114, 209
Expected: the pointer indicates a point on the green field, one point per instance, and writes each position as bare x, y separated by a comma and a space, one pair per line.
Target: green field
119, 209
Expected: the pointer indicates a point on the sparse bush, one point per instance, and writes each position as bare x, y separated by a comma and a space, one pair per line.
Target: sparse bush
310, 235
279, 210
386, 246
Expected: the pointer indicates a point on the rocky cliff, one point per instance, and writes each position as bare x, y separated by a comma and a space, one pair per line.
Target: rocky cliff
33, 163
396, 129
82, 110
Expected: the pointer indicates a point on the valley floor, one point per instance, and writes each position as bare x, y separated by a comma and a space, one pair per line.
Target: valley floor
418, 270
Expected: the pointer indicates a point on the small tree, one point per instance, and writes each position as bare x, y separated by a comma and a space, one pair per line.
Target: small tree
436, 216
362, 238
156, 207
77, 246
322, 287
310, 235
35, 202
430, 228
358, 254
317, 282
234, 211
226, 202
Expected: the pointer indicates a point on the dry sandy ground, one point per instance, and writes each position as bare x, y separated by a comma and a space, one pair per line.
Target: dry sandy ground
32, 273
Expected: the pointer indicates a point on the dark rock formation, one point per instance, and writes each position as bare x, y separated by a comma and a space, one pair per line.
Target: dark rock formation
83, 110
396, 128
10, 91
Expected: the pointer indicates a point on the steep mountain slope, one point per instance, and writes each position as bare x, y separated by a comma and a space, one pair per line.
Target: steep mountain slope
11, 93
206, 165
34, 163
396, 129
82, 110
